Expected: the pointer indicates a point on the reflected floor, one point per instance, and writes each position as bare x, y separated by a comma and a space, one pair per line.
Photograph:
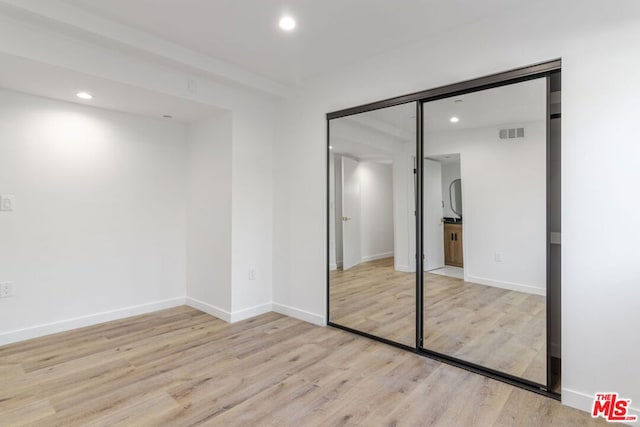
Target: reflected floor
493, 327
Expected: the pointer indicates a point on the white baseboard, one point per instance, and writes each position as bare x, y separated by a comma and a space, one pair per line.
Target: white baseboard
225, 315
333, 267
88, 320
576, 399
250, 312
209, 309
256, 311
296, 313
506, 285
584, 402
377, 256
404, 269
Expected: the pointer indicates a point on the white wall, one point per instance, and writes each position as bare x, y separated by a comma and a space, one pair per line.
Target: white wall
99, 225
600, 274
450, 172
209, 214
376, 210
597, 44
253, 128
252, 210
503, 202
232, 187
173, 189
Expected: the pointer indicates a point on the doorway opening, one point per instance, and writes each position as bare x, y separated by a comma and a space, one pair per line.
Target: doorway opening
442, 204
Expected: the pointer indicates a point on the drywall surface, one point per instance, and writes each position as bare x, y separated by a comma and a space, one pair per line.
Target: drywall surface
99, 224
252, 209
252, 132
209, 212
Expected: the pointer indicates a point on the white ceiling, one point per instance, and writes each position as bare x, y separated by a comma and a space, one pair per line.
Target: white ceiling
330, 33
59, 83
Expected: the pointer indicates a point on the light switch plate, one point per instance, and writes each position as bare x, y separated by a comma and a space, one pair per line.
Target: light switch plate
7, 202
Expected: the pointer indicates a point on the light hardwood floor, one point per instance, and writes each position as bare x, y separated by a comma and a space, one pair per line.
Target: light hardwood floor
181, 367
497, 328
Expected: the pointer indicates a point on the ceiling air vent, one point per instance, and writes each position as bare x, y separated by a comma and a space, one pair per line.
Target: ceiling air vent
512, 133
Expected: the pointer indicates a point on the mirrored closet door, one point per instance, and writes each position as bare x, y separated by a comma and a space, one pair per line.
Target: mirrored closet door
372, 286
485, 228
444, 224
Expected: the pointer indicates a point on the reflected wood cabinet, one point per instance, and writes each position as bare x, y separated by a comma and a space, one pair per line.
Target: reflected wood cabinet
453, 244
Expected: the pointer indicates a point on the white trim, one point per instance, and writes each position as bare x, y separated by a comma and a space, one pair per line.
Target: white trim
225, 315
584, 401
209, 309
577, 399
88, 320
507, 285
299, 314
250, 312
377, 256
333, 267
404, 269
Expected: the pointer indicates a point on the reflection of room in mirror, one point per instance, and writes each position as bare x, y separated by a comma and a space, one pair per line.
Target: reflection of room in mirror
485, 298
484, 227
371, 207
488, 282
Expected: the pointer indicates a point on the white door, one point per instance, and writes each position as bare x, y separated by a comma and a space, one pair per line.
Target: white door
433, 227
350, 214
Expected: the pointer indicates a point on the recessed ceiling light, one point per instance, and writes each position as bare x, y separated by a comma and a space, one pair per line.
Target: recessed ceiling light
168, 116
287, 23
457, 101
84, 95
454, 119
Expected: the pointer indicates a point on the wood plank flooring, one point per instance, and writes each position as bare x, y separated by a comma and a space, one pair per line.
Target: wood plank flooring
497, 328
181, 367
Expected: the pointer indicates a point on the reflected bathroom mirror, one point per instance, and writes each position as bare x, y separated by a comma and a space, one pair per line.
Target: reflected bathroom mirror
455, 196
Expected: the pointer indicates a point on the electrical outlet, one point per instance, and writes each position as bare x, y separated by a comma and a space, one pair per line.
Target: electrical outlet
7, 202
252, 274
498, 257
6, 289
